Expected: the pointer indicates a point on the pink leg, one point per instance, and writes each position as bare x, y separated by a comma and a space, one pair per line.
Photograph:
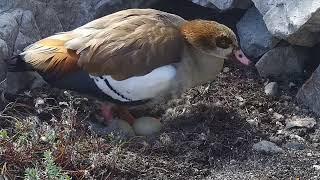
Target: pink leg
106, 112
124, 114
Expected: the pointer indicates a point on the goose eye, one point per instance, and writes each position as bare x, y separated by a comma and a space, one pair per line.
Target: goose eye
223, 42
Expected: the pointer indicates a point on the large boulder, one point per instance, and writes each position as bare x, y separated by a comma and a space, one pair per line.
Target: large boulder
265, 5
295, 21
255, 39
4, 53
224, 5
283, 62
309, 93
28, 31
23, 22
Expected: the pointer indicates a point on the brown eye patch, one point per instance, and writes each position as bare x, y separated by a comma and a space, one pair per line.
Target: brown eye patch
223, 42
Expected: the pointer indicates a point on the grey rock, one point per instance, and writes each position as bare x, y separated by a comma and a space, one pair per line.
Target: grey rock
309, 93
4, 53
315, 138
253, 122
226, 69
297, 122
265, 5
283, 62
23, 22
295, 136
315, 145
17, 30
18, 81
9, 28
205, 3
5, 5
295, 21
316, 167
49, 23
267, 147
59, 15
28, 31
278, 116
255, 39
294, 146
292, 85
224, 4
271, 89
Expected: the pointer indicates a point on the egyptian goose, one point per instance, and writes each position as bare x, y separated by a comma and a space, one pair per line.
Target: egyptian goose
131, 56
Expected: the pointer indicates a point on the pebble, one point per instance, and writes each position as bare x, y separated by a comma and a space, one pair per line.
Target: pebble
281, 132
271, 89
278, 116
267, 147
63, 104
315, 138
316, 167
241, 99
291, 85
39, 102
315, 145
296, 137
242, 104
294, 146
253, 122
279, 124
232, 161
296, 122
226, 70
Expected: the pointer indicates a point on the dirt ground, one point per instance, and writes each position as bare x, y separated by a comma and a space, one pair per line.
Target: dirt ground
208, 134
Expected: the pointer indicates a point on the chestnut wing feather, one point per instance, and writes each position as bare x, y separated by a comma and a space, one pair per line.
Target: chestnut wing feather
130, 46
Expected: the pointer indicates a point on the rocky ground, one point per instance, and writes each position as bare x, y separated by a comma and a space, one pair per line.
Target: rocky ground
229, 129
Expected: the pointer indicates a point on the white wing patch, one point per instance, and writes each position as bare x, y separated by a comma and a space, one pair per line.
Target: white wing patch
140, 87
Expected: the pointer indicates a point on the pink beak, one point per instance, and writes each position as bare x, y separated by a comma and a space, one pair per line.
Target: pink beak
239, 55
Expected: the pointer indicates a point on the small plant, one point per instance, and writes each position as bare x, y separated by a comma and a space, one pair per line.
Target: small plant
3, 134
32, 174
51, 171
50, 137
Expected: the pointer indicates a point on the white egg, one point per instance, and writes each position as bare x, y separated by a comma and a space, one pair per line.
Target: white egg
146, 126
125, 127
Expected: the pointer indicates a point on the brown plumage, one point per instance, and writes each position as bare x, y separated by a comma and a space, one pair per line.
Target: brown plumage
208, 34
127, 43
51, 55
